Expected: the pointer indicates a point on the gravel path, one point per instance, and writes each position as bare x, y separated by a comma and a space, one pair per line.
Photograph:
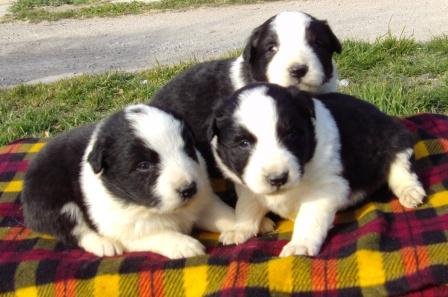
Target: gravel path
50, 50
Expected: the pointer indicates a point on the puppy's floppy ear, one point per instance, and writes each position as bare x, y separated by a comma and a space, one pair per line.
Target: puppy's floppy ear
215, 119
334, 41
212, 129
97, 155
251, 44
302, 101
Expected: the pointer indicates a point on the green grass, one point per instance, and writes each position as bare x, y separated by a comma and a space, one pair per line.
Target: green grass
40, 10
401, 76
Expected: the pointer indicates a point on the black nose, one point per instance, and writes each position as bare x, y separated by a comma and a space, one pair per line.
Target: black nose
298, 71
278, 180
188, 191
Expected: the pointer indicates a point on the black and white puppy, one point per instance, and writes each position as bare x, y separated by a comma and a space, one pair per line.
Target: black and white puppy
132, 182
305, 158
290, 49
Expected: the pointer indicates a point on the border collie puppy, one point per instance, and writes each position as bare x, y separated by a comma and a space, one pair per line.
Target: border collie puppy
289, 49
132, 182
306, 158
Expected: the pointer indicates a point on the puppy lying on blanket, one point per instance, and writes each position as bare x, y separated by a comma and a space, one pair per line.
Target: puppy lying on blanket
133, 182
306, 158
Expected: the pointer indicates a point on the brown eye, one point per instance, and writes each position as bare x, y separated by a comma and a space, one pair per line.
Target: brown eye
244, 144
144, 166
272, 48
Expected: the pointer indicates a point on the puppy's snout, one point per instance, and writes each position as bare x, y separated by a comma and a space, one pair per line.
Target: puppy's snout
298, 70
187, 191
278, 180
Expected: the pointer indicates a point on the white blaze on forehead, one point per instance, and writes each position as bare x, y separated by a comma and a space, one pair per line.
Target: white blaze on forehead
257, 113
290, 28
159, 130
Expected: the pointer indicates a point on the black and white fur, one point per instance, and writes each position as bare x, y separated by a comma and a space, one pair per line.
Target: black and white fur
290, 49
132, 182
305, 158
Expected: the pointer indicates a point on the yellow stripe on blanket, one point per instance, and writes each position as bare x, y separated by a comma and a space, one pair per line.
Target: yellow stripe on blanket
280, 274
195, 281
13, 186
26, 292
107, 285
370, 268
36, 147
420, 150
439, 199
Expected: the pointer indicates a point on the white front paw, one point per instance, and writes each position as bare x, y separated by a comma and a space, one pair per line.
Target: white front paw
412, 196
183, 248
267, 225
237, 236
299, 249
100, 246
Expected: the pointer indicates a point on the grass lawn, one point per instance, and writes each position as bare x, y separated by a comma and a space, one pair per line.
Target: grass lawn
401, 76
52, 10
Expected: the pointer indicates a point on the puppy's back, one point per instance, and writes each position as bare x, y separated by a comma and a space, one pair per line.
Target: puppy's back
52, 180
370, 139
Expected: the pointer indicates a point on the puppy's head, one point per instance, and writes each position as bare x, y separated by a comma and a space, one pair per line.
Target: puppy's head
147, 156
294, 49
262, 137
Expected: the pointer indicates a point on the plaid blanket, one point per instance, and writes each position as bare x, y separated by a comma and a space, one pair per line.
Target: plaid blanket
375, 249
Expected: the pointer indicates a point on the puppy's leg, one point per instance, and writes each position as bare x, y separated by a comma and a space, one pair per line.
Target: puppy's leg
404, 182
99, 245
311, 226
315, 218
249, 215
216, 216
87, 238
171, 244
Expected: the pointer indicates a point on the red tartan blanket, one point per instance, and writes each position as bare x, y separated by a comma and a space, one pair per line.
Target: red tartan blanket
377, 248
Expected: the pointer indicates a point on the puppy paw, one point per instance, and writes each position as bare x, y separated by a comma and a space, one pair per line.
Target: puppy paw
183, 248
266, 225
299, 249
412, 196
236, 236
100, 246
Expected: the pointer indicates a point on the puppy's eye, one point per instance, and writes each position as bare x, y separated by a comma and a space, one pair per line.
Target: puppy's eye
271, 48
144, 166
244, 143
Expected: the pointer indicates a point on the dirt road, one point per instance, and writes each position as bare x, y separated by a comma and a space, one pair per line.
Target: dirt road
47, 51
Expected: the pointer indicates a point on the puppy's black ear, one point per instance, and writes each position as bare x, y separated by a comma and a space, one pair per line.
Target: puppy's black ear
334, 41
215, 118
251, 44
97, 155
303, 101
212, 128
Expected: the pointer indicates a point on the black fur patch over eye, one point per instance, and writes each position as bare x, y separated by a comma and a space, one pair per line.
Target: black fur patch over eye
131, 168
146, 158
235, 145
271, 48
324, 43
260, 50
